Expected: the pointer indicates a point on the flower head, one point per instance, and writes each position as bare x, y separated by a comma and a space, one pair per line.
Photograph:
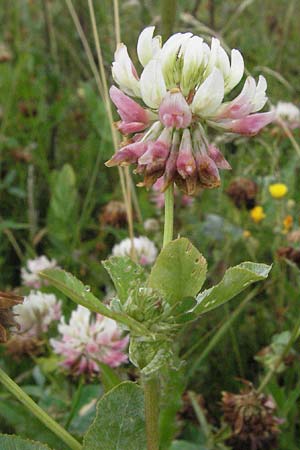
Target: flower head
30, 273
257, 214
289, 113
38, 311
242, 192
145, 250
88, 340
251, 417
113, 214
278, 190
180, 91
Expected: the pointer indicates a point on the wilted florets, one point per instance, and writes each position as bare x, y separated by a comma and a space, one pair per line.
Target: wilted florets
8, 301
36, 314
243, 192
251, 418
88, 340
30, 273
144, 249
182, 85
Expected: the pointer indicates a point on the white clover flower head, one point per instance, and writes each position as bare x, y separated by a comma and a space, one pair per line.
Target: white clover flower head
30, 273
87, 340
145, 249
37, 312
181, 90
289, 113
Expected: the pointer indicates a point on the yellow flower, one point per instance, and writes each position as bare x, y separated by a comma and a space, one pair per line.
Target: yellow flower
287, 223
246, 234
257, 214
278, 190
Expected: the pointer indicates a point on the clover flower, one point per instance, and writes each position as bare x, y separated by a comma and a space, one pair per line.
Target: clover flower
30, 273
145, 250
37, 312
243, 192
182, 87
251, 417
289, 113
88, 340
113, 214
278, 190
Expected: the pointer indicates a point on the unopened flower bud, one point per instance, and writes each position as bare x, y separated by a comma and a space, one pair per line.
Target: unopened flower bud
215, 154
128, 154
170, 169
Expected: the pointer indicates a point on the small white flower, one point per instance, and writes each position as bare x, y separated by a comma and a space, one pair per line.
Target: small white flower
153, 87
289, 113
209, 95
145, 249
124, 73
29, 274
195, 59
147, 46
36, 313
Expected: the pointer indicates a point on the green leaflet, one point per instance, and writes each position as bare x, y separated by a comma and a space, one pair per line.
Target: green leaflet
125, 275
119, 422
179, 271
63, 210
69, 285
11, 442
235, 280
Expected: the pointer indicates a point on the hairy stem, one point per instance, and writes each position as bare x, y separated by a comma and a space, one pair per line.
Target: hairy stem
151, 393
15, 390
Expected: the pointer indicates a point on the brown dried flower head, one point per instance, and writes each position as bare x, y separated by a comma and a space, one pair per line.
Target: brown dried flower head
251, 417
22, 345
243, 193
7, 301
114, 214
293, 237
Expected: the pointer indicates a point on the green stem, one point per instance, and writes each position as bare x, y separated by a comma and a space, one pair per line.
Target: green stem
75, 402
286, 350
169, 215
151, 393
151, 385
15, 390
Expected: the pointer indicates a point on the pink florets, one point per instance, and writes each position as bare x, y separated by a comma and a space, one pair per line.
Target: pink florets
88, 340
